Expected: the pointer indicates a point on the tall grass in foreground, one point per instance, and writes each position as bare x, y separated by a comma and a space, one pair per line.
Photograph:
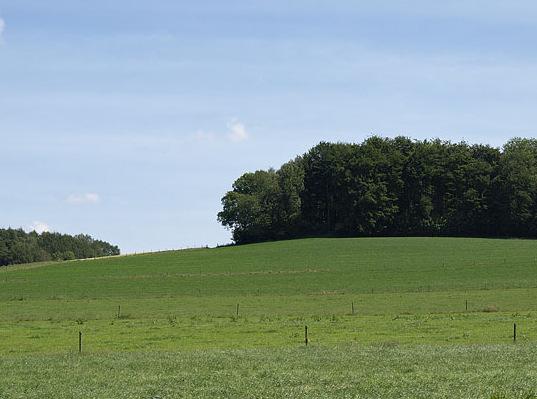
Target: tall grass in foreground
345, 371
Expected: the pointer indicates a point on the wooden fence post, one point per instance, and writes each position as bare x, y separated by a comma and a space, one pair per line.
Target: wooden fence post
514, 332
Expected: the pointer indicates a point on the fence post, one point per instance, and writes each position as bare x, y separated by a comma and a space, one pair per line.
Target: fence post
514, 332
80, 342
237, 310
352, 307
306, 335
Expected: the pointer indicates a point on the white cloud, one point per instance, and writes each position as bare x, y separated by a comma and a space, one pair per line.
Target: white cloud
2, 26
81, 199
38, 227
237, 131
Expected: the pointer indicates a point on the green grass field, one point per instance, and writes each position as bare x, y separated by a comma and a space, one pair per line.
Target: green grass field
433, 318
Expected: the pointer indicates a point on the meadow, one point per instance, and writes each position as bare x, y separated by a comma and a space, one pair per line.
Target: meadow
386, 317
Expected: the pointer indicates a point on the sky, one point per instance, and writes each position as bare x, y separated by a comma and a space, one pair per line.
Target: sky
129, 120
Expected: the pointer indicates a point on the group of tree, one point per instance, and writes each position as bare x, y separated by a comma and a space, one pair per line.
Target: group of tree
390, 187
17, 246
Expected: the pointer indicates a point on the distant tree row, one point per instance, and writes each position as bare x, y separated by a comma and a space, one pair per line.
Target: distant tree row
17, 246
385, 187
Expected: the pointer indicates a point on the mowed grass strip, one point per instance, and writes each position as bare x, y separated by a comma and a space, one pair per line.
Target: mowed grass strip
206, 332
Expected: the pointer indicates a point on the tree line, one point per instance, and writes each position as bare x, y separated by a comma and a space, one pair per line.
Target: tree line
17, 246
389, 187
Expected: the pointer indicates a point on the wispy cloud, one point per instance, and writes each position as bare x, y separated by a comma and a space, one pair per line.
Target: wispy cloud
38, 227
237, 131
2, 27
82, 199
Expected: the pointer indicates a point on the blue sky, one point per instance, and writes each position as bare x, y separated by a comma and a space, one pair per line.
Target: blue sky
129, 120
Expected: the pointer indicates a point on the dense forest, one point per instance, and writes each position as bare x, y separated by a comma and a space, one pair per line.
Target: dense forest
390, 187
17, 246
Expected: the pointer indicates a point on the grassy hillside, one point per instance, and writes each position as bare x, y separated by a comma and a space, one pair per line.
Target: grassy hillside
303, 267
440, 296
